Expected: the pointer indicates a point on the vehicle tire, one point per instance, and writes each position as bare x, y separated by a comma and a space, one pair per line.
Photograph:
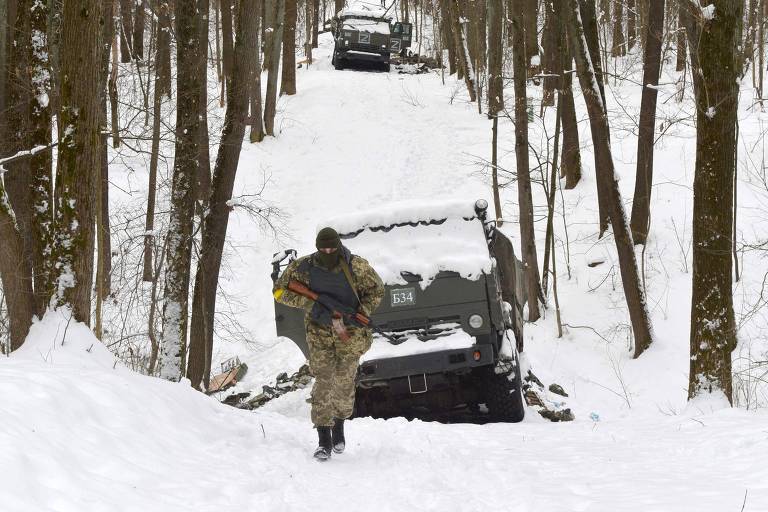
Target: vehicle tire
387, 67
337, 64
504, 396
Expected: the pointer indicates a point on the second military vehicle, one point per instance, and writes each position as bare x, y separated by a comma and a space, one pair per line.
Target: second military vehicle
451, 313
367, 36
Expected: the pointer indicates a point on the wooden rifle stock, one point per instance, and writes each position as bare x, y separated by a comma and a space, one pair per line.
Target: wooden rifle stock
297, 287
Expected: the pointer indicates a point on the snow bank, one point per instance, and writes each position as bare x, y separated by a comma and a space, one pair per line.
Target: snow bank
420, 238
58, 340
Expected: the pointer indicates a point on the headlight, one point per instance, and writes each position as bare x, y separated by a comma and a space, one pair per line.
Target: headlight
475, 321
346, 42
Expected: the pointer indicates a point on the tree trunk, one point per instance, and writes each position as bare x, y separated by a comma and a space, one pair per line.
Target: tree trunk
606, 177
138, 30
571, 151
618, 49
288, 79
17, 288
104, 256
447, 35
551, 58
185, 172
18, 181
632, 23
495, 58
112, 89
79, 161
589, 24
462, 50
531, 26
527, 233
714, 59
203, 183
681, 43
641, 205
226, 37
339, 5
276, 37
315, 21
214, 233
41, 164
163, 57
308, 29
126, 31
257, 119
4, 47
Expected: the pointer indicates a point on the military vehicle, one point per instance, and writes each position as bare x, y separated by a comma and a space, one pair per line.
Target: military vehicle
451, 311
367, 36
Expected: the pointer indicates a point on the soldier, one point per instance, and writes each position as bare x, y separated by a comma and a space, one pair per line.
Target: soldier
344, 282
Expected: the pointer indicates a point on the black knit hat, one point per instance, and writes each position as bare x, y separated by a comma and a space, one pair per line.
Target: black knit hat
327, 238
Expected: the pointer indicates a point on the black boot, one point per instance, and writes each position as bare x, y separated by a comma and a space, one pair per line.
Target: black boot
338, 435
323, 451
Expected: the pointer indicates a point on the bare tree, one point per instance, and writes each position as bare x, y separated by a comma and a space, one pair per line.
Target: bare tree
462, 50
618, 49
257, 117
227, 37
607, 182
215, 230
126, 31
288, 77
272, 52
138, 30
713, 41
185, 171
79, 155
641, 206
525, 199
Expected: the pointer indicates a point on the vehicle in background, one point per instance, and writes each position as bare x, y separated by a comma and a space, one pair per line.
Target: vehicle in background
368, 36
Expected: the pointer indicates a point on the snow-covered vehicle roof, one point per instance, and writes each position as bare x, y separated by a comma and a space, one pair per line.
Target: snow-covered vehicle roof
366, 25
422, 238
365, 13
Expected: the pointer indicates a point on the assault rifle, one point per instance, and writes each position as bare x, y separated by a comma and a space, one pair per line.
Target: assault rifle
338, 317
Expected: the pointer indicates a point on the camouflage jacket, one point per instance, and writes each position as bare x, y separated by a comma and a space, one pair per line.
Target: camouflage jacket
365, 280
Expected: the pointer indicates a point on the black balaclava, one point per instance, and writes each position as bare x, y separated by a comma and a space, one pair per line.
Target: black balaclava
328, 238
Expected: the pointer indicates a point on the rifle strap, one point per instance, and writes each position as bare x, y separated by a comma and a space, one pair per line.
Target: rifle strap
348, 275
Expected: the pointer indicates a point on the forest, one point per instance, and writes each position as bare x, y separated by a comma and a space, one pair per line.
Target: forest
160, 159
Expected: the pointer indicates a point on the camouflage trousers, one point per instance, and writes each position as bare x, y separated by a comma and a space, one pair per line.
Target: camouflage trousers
334, 364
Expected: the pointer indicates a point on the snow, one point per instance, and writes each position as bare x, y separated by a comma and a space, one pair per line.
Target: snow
366, 25
365, 11
83, 434
457, 244
382, 349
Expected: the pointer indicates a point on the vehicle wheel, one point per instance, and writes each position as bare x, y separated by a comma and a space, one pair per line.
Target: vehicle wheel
387, 67
337, 64
504, 396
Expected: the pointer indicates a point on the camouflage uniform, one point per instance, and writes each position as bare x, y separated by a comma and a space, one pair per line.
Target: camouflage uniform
333, 362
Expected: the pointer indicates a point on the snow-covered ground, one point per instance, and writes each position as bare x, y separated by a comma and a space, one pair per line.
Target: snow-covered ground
80, 433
